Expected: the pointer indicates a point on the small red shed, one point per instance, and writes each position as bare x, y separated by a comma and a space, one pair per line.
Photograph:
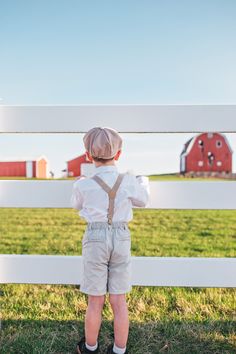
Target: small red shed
27, 167
206, 152
76, 165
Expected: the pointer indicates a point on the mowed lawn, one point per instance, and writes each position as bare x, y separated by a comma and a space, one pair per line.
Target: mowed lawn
50, 319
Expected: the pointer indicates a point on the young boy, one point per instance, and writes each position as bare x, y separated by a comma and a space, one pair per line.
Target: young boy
105, 201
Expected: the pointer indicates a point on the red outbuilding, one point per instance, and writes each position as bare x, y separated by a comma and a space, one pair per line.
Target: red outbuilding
206, 152
29, 168
79, 165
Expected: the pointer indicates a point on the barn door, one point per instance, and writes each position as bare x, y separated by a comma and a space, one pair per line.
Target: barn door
29, 169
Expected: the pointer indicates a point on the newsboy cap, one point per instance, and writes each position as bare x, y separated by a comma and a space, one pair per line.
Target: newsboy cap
102, 142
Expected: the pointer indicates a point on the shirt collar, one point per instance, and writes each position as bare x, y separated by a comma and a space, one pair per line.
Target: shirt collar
109, 168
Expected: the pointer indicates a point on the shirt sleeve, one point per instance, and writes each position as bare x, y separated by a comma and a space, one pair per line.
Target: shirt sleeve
140, 191
76, 200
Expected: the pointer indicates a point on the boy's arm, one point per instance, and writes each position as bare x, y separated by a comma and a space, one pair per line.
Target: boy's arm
76, 200
141, 191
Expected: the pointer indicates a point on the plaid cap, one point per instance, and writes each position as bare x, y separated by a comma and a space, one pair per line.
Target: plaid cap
102, 142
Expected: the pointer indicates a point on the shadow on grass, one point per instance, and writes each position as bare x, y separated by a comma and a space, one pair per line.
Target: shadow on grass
180, 337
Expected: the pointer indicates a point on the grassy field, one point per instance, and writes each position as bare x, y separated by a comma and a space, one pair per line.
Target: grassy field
160, 177
177, 177
49, 319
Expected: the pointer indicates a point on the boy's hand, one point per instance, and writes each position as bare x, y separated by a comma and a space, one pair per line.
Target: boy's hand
142, 179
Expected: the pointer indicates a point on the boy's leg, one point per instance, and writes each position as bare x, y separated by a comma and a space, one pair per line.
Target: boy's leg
93, 318
121, 319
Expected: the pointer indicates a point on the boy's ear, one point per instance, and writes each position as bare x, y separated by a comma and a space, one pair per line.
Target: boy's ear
117, 155
89, 156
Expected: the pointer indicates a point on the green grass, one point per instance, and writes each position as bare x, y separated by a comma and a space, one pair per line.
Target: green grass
159, 177
177, 177
50, 319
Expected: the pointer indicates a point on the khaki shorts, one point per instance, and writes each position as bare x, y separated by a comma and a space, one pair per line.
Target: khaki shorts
106, 255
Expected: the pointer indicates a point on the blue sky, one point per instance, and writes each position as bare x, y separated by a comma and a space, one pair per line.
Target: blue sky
98, 52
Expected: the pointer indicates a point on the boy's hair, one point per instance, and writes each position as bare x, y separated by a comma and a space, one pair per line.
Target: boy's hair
100, 159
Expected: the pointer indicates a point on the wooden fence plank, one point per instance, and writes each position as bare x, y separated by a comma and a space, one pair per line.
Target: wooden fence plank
124, 118
146, 271
164, 195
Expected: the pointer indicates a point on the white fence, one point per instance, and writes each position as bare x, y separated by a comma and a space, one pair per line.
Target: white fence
158, 271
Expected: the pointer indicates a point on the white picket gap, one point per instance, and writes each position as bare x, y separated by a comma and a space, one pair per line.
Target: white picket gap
146, 271
164, 195
124, 118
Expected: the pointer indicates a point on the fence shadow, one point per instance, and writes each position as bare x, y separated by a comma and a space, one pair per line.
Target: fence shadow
180, 337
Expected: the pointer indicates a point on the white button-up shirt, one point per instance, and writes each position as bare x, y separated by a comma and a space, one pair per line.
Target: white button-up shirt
92, 200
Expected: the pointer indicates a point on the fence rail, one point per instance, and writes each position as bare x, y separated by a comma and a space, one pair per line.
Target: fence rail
164, 195
146, 271
124, 118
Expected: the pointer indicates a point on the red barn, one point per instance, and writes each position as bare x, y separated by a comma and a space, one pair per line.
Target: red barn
29, 168
76, 165
206, 152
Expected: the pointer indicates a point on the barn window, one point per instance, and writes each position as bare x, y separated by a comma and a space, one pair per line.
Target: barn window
218, 143
200, 163
200, 143
219, 163
210, 157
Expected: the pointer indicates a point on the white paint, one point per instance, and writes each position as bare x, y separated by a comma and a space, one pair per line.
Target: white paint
164, 195
147, 271
124, 118
182, 162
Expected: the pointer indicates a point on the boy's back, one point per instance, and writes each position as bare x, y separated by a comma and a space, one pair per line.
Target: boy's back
105, 201
92, 200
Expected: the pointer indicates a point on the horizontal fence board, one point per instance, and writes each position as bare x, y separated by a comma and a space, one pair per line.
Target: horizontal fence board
124, 118
146, 271
164, 195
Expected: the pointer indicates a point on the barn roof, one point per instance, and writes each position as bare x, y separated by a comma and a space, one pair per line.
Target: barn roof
77, 157
188, 145
25, 158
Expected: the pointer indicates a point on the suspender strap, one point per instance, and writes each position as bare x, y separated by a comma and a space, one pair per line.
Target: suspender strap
111, 193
